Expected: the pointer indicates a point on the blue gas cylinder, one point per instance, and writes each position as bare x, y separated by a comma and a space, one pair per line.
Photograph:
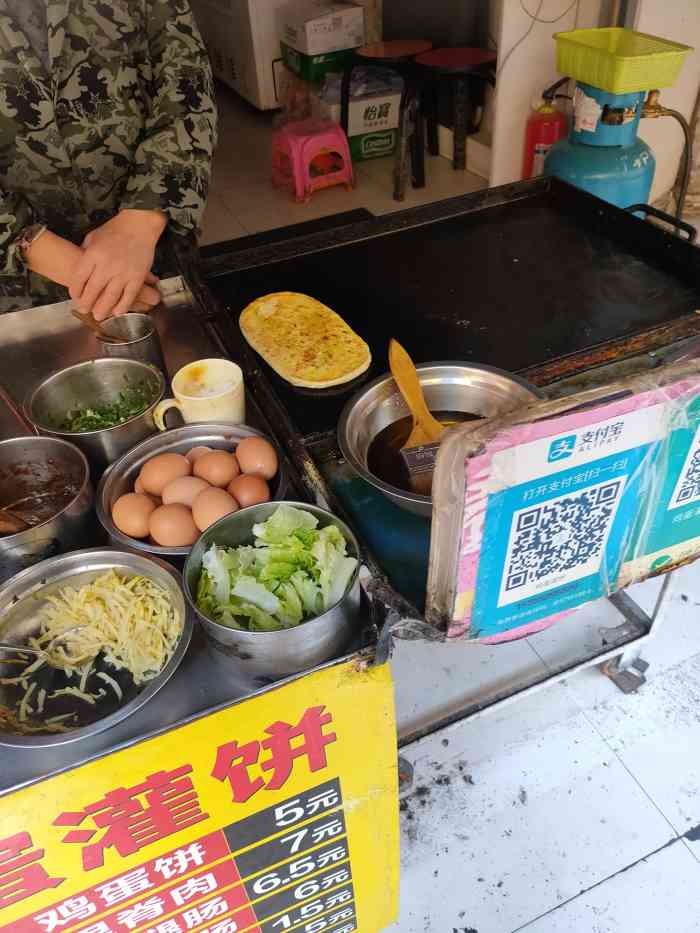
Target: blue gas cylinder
603, 154
621, 175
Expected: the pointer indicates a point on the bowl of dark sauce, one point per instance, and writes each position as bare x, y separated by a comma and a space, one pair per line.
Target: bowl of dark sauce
376, 423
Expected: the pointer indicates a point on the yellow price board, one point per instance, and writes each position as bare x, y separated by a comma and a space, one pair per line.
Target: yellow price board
279, 813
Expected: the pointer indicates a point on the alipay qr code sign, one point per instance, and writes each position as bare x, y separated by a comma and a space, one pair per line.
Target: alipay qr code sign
668, 529
561, 502
559, 540
687, 488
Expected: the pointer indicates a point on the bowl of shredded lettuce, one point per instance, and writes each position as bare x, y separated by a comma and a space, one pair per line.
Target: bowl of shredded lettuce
276, 588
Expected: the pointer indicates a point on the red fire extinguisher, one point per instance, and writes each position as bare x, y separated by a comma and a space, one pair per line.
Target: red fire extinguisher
545, 126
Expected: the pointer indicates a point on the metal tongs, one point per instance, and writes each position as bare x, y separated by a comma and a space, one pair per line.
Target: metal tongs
89, 321
41, 654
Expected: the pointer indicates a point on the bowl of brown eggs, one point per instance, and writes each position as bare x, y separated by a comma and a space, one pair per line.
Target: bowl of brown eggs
162, 494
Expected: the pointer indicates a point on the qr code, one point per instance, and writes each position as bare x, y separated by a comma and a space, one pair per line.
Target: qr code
687, 489
558, 541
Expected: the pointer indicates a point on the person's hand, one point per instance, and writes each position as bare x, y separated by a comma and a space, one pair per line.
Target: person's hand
116, 264
55, 258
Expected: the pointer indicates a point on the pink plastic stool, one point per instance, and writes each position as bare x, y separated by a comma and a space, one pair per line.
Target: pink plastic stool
309, 155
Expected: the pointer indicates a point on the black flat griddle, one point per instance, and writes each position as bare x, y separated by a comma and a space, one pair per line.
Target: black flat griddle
515, 277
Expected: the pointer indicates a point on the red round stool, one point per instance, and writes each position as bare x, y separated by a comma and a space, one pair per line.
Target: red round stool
398, 54
468, 69
394, 50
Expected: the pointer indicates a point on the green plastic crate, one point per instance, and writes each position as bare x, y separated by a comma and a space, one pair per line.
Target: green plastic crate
620, 61
314, 68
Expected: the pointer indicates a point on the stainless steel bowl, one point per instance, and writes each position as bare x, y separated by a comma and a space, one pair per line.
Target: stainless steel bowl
40, 469
138, 339
463, 387
121, 476
95, 382
269, 656
21, 597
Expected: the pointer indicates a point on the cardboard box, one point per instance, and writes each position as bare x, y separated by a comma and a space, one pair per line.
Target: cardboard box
317, 26
372, 124
373, 145
314, 68
242, 37
366, 114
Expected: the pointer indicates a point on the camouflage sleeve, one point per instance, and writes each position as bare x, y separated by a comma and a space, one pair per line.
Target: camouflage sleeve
15, 215
173, 161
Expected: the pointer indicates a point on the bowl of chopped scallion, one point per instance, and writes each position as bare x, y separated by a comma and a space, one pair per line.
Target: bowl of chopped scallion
103, 406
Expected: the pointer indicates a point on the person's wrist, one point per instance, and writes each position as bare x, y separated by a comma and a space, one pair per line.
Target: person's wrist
29, 237
149, 224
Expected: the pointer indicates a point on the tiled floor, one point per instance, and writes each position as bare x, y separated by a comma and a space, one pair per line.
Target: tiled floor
576, 810
242, 200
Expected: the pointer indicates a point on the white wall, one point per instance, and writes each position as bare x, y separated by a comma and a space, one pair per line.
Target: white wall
678, 20
529, 70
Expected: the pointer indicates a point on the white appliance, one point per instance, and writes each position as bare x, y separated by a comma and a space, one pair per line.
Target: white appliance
242, 37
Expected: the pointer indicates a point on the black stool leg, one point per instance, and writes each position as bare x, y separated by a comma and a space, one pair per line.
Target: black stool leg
401, 160
345, 97
418, 144
460, 89
431, 94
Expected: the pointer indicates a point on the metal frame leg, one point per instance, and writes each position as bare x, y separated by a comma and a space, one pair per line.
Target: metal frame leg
627, 670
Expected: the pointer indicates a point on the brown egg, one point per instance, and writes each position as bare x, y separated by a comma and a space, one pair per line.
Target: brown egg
257, 456
160, 471
138, 487
248, 490
131, 514
173, 526
197, 452
210, 506
184, 490
218, 468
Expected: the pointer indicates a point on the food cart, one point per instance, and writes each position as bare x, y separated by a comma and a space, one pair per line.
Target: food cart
227, 806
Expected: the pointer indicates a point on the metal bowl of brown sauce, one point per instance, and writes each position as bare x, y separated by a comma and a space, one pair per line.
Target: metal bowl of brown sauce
376, 422
46, 501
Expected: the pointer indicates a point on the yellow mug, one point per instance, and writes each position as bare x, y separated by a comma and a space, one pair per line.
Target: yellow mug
206, 390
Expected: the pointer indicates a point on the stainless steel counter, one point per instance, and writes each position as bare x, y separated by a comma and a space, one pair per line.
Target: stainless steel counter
34, 343
38, 341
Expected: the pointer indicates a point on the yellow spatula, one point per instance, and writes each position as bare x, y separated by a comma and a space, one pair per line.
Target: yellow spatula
426, 428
